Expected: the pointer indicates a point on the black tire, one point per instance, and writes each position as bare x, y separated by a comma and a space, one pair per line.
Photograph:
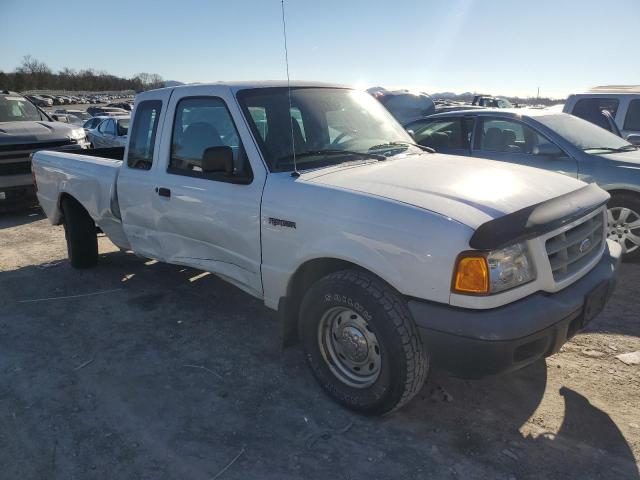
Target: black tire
403, 363
80, 232
632, 202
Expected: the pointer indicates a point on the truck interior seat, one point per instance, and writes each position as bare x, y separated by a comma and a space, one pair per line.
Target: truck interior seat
197, 138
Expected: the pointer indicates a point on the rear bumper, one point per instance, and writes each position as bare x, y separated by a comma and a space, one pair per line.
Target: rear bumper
477, 343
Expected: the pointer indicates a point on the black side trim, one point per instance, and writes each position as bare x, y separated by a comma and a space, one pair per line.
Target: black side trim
538, 219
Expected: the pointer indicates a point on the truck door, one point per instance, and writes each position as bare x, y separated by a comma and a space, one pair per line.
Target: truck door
512, 141
206, 219
136, 182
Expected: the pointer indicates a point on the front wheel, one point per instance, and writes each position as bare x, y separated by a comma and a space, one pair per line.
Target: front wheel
623, 224
361, 343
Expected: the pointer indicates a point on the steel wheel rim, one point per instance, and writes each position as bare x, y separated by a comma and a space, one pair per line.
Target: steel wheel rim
349, 347
623, 226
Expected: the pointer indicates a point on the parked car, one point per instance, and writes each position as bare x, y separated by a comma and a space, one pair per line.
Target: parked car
81, 114
123, 105
39, 101
553, 141
25, 129
66, 118
404, 105
96, 111
491, 102
623, 103
384, 257
111, 132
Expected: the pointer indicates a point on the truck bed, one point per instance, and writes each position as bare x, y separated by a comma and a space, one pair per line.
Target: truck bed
89, 176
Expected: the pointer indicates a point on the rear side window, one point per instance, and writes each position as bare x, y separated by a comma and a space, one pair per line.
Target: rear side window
590, 109
632, 120
445, 133
143, 135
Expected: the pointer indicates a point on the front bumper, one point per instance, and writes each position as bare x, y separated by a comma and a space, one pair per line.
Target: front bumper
476, 343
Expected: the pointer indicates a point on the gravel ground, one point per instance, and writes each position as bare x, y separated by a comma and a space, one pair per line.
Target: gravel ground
141, 370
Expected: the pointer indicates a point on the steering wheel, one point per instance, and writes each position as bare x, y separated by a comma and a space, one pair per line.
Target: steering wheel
342, 135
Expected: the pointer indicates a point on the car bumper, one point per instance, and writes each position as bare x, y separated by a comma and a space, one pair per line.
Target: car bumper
12, 196
476, 343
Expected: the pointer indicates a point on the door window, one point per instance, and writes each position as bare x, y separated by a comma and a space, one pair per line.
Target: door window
201, 123
143, 135
107, 127
453, 133
632, 120
508, 136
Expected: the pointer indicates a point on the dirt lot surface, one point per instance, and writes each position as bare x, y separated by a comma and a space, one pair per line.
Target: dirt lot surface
140, 370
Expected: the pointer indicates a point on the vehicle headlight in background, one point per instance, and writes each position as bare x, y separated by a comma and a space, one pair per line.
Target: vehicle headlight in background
484, 273
77, 134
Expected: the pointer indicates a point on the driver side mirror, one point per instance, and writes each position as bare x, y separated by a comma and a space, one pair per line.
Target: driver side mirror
547, 150
218, 160
412, 133
633, 139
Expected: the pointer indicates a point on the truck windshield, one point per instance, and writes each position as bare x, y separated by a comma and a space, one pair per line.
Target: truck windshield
14, 108
584, 135
328, 126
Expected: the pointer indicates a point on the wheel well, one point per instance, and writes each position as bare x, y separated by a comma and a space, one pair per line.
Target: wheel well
623, 192
306, 275
66, 196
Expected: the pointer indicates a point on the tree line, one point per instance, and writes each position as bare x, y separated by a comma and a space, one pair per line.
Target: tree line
33, 74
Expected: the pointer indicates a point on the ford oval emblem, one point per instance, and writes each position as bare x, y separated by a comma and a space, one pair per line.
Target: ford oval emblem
585, 245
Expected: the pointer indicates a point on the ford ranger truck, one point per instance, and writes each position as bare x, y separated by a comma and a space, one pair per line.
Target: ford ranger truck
382, 258
23, 130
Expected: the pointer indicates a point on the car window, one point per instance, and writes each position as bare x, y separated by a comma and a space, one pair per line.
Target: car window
632, 120
123, 127
105, 127
444, 133
590, 109
199, 124
143, 135
497, 135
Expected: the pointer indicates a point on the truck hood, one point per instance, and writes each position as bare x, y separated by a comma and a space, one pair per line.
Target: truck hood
469, 190
13, 133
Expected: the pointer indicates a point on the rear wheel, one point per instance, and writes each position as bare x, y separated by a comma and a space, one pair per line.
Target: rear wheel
361, 343
80, 233
623, 223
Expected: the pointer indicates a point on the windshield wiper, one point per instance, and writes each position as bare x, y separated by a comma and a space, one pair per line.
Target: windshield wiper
626, 148
313, 153
399, 143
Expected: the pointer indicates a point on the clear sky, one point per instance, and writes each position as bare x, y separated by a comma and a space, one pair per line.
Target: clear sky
508, 47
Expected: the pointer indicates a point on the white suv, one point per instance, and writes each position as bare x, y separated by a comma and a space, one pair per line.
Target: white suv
622, 102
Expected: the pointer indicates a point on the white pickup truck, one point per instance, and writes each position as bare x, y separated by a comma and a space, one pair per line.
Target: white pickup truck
381, 258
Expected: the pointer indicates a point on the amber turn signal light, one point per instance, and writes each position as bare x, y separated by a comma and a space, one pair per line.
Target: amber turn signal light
471, 275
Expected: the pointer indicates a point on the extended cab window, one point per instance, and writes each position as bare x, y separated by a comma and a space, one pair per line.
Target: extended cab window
632, 120
200, 124
143, 135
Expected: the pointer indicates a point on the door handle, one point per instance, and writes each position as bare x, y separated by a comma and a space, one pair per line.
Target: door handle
163, 192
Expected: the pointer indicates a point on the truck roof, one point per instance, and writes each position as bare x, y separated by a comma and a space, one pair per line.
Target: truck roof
635, 89
243, 85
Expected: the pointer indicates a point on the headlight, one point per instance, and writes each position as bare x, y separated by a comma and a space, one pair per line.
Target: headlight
484, 273
77, 134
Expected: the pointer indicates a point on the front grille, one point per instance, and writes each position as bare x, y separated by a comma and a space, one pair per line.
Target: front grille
570, 251
15, 168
